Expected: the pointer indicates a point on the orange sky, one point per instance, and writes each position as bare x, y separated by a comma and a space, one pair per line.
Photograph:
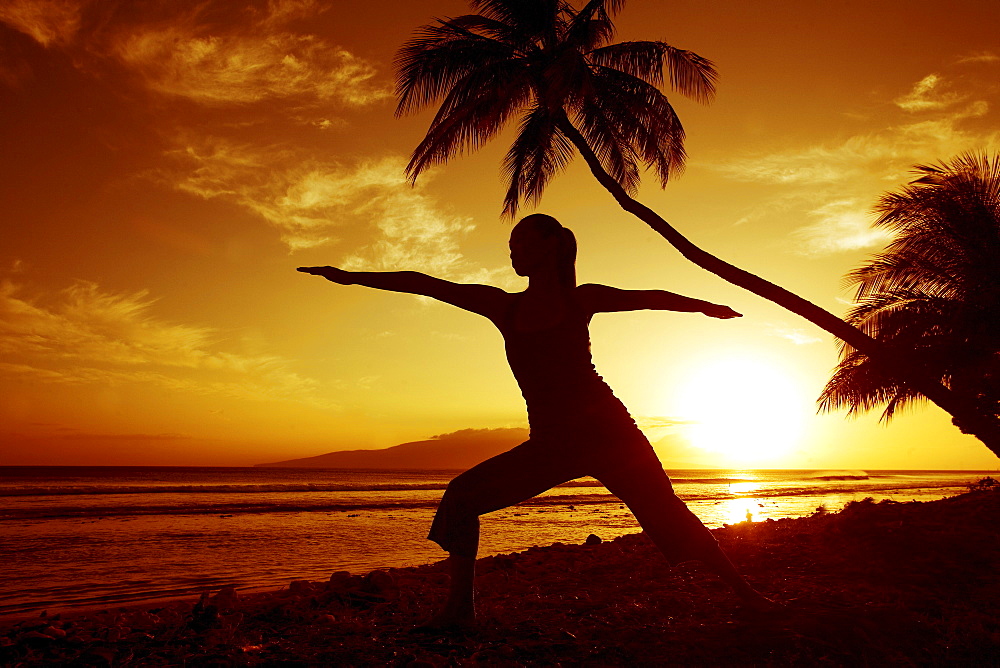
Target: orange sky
166, 166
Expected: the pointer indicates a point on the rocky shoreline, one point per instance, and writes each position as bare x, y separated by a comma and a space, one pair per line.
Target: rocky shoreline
878, 583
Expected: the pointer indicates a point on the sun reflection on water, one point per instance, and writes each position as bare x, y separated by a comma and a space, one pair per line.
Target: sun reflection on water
743, 487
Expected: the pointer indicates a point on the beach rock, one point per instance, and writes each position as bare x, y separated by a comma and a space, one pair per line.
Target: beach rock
53, 632
593, 539
226, 599
341, 580
300, 587
381, 583
204, 613
411, 582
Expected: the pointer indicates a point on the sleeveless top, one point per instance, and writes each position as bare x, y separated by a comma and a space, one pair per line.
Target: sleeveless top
555, 372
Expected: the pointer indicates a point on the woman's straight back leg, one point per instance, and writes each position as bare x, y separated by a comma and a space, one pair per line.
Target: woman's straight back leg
648, 493
673, 528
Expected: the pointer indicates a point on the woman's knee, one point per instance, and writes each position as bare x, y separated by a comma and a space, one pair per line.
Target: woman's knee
459, 495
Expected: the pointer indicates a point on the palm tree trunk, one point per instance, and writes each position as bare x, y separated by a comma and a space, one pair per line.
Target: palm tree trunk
964, 414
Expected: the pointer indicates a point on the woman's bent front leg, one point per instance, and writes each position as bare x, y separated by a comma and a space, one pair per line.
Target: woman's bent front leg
505, 480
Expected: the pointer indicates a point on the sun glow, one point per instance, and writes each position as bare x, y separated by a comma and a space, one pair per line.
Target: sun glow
748, 409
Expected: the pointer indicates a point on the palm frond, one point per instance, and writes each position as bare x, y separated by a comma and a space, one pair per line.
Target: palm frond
688, 73
483, 25
859, 386
530, 20
612, 148
474, 111
904, 269
643, 60
641, 117
592, 26
539, 152
691, 75
439, 56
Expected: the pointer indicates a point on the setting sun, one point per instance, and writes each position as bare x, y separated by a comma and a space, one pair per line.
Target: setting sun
748, 409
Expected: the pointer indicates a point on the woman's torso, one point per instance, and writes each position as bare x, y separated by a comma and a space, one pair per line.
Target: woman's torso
550, 358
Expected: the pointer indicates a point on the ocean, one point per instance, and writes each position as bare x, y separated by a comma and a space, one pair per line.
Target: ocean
97, 537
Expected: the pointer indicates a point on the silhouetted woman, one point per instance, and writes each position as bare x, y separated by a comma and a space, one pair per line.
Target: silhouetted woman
578, 427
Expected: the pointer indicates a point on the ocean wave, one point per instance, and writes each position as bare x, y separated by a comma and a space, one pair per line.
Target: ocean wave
711, 481
316, 505
680, 479
229, 509
840, 475
238, 488
241, 488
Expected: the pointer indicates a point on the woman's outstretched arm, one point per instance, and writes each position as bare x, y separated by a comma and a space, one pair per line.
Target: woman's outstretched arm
482, 299
602, 298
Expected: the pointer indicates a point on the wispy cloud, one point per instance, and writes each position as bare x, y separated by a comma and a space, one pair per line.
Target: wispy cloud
797, 336
838, 183
841, 225
182, 49
252, 60
312, 201
244, 68
280, 12
95, 337
411, 232
814, 165
884, 155
979, 57
48, 22
660, 422
927, 94
86, 323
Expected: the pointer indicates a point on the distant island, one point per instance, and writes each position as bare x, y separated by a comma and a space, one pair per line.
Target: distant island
457, 450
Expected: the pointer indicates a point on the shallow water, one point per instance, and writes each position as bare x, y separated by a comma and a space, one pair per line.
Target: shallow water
82, 536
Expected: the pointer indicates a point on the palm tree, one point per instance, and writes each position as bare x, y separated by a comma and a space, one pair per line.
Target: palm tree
935, 290
553, 67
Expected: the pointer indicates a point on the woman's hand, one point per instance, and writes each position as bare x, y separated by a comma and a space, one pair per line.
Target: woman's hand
720, 311
330, 274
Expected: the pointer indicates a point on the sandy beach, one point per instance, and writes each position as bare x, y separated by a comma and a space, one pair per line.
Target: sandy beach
878, 583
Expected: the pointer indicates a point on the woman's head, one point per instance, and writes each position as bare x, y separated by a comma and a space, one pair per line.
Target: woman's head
539, 242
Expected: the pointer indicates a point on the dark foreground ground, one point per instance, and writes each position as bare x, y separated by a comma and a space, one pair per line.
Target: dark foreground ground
877, 584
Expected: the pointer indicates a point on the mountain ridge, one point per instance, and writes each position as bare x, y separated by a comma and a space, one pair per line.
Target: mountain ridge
460, 449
